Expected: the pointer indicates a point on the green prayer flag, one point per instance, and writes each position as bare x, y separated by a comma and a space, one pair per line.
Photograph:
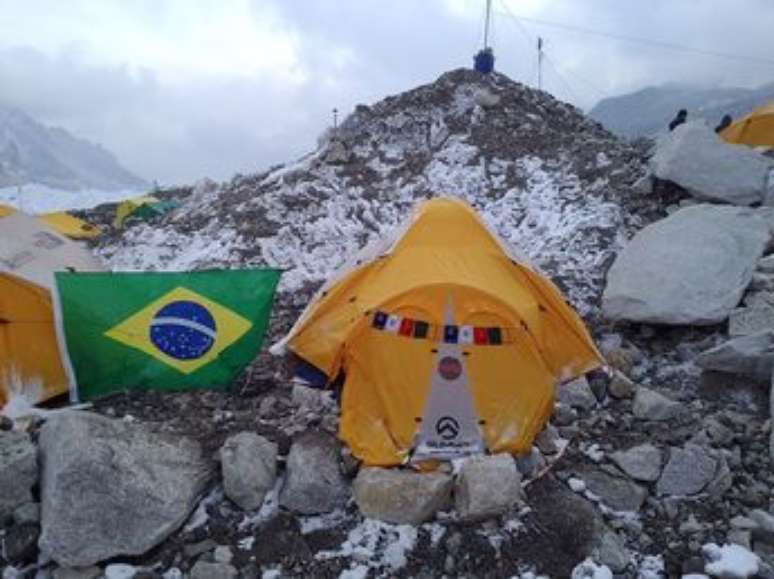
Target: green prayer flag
162, 331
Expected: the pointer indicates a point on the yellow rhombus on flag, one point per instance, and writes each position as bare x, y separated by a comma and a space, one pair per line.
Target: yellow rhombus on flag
220, 329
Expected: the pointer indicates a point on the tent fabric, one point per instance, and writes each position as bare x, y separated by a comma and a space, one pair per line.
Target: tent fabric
755, 129
30, 253
62, 222
445, 262
128, 207
70, 225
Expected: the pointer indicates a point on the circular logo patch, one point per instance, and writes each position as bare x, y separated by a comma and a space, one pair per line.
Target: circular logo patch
183, 330
449, 368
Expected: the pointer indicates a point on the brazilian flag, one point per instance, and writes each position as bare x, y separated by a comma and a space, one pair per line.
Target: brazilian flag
162, 331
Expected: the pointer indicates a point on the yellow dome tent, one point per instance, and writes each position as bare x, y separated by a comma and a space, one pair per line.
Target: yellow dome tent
30, 253
129, 206
756, 129
62, 222
450, 345
69, 225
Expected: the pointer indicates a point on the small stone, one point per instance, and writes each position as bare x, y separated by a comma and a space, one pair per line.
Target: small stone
487, 486
5, 423
222, 554
740, 537
598, 381
743, 523
564, 415
691, 526
313, 480
613, 553
621, 387
619, 494
546, 440
650, 405
529, 465
718, 432
249, 465
763, 520
641, 462
267, 408
751, 320
18, 471
120, 571
195, 549
205, 570
577, 394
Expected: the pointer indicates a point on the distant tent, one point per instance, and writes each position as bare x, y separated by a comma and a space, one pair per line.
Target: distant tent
449, 344
71, 226
756, 129
30, 253
62, 222
143, 208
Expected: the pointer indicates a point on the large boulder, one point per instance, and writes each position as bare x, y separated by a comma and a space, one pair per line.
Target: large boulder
18, 471
110, 487
314, 483
751, 356
487, 486
249, 465
401, 496
696, 159
690, 268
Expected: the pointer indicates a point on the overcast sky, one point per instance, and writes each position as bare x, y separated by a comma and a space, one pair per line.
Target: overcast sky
181, 89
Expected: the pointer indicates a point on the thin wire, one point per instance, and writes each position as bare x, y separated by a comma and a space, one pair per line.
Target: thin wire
641, 40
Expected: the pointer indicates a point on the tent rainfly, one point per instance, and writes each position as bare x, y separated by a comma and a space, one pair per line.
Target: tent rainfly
755, 129
30, 253
448, 343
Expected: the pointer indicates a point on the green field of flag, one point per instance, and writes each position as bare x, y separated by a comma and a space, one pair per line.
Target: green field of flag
163, 331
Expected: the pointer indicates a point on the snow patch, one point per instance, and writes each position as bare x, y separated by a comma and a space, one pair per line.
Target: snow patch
730, 561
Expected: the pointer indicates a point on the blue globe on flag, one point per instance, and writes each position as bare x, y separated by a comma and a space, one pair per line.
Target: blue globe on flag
183, 330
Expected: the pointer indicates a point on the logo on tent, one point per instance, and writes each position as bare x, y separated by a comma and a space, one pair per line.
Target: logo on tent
447, 427
182, 329
449, 368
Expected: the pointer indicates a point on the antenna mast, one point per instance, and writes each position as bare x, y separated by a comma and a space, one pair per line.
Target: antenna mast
540, 63
486, 23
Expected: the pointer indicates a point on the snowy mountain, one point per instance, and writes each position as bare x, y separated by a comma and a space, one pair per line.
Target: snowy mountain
649, 110
549, 180
33, 153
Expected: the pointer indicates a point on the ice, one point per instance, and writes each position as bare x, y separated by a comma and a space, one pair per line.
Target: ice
730, 561
376, 544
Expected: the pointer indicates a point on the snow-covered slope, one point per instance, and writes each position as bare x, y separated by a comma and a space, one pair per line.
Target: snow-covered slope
33, 153
550, 181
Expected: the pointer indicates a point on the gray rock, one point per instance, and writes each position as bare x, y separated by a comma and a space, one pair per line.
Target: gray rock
761, 282
205, 570
688, 269
486, 99
487, 486
621, 387
687, 471
746, 321
641, 462
651, 405
762, 520
20, 543
401, 496
643, 185
111, 488
722, 480
618, 493
694, 157
547, 439
530, 464
313, 481
92, 572
759, 299
121, 571
577, 394
564, 415
766, 264
27, 513
613, 553
18, 471
249, 466
719, 433
222, 554
751, 356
